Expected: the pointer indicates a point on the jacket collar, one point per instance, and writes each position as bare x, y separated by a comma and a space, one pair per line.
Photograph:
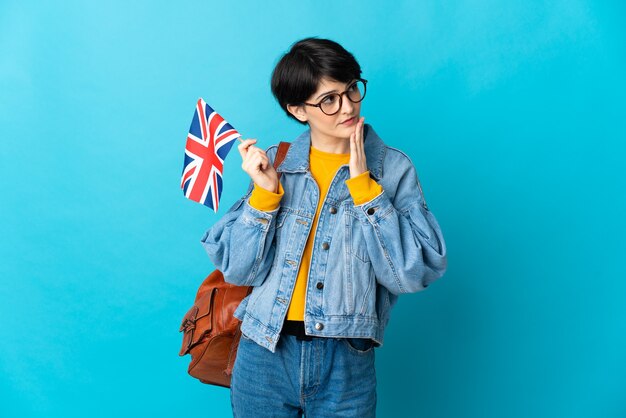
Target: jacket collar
297, 158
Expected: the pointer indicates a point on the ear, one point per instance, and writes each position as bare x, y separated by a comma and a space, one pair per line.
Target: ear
298, 112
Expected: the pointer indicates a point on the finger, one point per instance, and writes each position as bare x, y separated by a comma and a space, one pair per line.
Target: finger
244, 147
353, 149
264, 161
362, 128
357, 140
356, 136
256, 162
246, 143
359, 129
360, 137
256, 150
250, 158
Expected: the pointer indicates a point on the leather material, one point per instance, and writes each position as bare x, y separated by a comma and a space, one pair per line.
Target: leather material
211, 332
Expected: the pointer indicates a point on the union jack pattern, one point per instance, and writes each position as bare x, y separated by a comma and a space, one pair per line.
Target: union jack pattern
209, 140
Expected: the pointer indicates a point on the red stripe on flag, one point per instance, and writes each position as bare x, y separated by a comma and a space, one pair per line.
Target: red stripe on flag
202, 119
224, 135
214, 123
204, 152
205, 170
215, 194
186, 177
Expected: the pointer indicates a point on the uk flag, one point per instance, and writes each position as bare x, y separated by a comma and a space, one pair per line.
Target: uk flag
208, 142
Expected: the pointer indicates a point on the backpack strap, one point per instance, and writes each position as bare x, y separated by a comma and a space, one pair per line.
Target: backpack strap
283, 147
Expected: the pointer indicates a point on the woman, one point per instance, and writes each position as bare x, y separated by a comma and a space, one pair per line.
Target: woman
328, 248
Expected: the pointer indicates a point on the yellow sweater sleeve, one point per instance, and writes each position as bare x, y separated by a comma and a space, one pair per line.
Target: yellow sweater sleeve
363, 188
264, 200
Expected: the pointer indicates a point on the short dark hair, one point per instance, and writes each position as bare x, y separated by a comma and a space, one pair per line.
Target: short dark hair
298, 73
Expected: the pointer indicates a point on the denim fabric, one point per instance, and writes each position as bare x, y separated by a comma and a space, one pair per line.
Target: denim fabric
324, 377
364, 256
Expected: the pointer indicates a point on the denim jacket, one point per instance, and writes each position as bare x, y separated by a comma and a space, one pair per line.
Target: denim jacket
363, 256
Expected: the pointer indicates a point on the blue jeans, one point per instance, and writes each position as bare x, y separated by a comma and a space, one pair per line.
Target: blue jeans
324, 377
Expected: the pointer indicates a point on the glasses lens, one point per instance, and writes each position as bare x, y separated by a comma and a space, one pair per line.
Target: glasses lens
330, 104
356, 91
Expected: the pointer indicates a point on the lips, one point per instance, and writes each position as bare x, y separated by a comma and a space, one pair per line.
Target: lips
348, 121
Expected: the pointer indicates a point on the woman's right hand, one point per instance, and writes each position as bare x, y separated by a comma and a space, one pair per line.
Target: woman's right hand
257, 164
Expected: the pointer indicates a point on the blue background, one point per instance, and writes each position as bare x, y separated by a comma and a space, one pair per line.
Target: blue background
513, 113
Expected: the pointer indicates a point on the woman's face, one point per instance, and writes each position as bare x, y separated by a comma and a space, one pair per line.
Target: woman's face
329, 127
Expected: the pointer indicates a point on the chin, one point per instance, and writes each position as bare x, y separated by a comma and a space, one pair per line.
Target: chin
345, 131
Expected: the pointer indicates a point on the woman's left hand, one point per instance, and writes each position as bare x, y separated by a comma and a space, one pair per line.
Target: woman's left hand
358, 162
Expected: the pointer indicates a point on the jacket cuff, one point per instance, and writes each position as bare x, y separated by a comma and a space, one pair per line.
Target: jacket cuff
264, 200
363, 188
376, 209
257, 218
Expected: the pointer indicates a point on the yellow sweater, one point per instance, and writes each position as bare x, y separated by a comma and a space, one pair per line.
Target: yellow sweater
324, 165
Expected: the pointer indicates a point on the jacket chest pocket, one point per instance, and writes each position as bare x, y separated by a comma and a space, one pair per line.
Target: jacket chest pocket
283, 219
354, 238
360, 282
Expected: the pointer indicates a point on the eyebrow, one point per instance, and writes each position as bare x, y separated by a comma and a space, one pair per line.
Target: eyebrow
334, 91
324, 94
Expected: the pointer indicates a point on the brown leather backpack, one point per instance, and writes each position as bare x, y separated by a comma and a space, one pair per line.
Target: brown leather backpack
211, 332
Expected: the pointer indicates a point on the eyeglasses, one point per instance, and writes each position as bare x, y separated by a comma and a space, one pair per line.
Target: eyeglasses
331, 103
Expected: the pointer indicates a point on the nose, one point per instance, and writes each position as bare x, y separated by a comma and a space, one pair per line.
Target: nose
347, 107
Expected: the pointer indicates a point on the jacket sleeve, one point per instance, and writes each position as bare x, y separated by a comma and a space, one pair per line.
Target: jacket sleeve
404, 241
240, 244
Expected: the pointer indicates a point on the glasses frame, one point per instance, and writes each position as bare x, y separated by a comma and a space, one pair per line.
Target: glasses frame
364, 81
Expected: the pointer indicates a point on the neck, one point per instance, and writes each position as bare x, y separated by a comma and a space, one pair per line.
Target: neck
330, 144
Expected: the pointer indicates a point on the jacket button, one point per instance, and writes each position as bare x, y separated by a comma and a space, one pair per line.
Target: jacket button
325, 246
319, 326
333, 210
319, 285
371, 211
